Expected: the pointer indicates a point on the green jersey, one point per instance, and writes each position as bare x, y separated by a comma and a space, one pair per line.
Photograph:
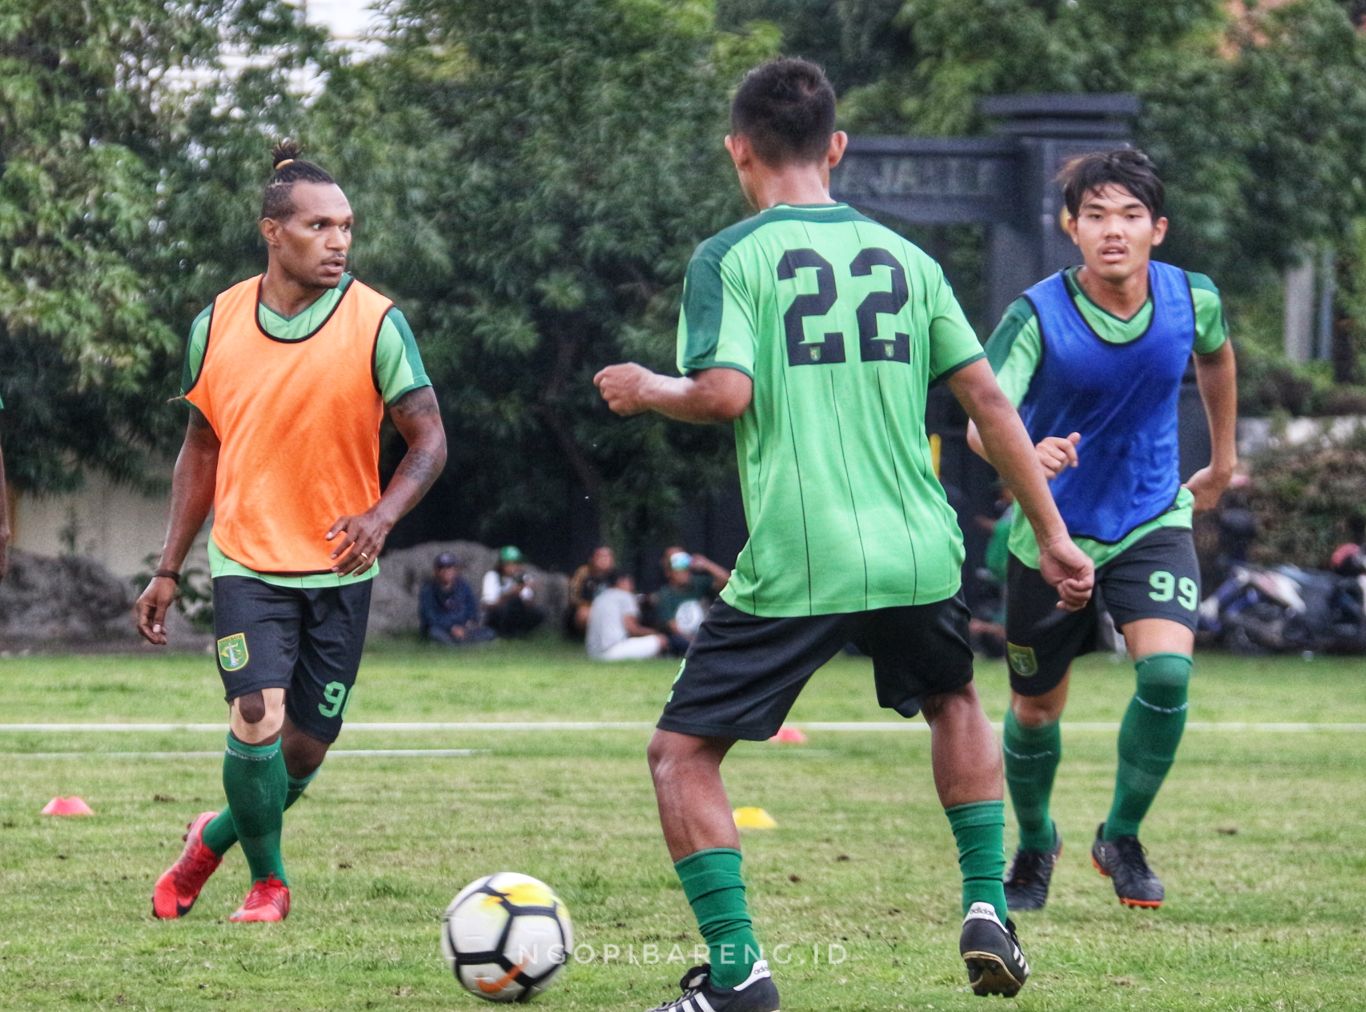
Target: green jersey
842, 325
398, 370
1015, 350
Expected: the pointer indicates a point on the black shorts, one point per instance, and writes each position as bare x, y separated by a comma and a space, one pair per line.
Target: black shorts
1155, 577
743, 672
307, 642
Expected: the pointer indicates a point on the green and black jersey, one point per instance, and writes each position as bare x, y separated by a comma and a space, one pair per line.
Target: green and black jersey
1015, 350
398, 370
842, 325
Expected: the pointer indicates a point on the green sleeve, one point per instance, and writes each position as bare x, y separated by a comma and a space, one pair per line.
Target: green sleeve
953, 343
716, 326
194, 350
1211, 326
1015, 349
398, 365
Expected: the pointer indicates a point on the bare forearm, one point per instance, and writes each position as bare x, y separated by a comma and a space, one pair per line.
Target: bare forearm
192, 489
720, 394
1217, 377
685, 400
635, 627
1010, 451
1005, 443
417, 416
417, 471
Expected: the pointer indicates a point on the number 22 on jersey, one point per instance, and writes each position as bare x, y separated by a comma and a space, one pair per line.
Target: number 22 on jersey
830, 350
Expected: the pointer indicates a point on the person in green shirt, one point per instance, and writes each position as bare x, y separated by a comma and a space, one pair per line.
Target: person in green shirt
287, 378
1094, 357
817, 332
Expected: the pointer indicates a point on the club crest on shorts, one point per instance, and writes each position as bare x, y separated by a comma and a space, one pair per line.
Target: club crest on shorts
1022, 660
232, 652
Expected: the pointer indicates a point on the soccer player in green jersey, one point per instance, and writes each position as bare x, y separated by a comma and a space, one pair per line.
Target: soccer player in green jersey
1094, 356
817, 332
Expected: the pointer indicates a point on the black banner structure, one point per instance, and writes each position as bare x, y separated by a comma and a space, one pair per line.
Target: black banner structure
1004, 181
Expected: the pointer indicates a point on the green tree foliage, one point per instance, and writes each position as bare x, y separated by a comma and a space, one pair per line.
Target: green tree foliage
529, 182
1303, 494
96, 145
1258, 123
852, 39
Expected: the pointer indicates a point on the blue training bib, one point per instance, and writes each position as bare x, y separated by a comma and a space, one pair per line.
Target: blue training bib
1122, 398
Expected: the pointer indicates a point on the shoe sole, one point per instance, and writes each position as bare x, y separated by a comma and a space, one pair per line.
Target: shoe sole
1126, 900
988, 974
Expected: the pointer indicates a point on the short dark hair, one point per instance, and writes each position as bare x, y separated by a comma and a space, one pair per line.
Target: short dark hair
287, 169
1126, 167
786, 108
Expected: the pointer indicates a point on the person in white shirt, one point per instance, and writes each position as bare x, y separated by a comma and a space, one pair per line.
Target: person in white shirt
615, 632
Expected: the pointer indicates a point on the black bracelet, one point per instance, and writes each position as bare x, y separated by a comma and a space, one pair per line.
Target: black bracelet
169, 574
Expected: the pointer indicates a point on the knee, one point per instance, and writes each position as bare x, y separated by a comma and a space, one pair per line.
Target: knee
303, 754
251, 707
659, 754
1168, 671
672, 755
942, 704
1035, 711
258, 716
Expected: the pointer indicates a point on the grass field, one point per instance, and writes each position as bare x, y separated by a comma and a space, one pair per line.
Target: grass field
1258, 837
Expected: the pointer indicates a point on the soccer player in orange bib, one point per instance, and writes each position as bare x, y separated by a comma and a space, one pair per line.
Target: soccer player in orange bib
287, 376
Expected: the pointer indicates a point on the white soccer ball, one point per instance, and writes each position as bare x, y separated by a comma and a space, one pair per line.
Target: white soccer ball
506, 936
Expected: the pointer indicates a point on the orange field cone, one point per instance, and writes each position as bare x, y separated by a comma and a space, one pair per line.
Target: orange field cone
750, 817
789, 735
67, 806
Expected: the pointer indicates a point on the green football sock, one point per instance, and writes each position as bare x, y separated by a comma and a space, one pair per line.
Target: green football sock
255, 782
220, 833
1148, 737
713, 885
1032, 755
980, 829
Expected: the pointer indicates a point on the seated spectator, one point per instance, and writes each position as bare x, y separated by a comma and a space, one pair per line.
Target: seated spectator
690, 582
509, 596
1349, 558
447, 609
615, 632
590, 578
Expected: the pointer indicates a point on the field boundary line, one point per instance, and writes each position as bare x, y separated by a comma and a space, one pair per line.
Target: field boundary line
398, 753
97, 727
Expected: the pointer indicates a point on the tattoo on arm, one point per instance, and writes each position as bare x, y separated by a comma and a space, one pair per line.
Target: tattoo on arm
417, 416
414, 404
419, 466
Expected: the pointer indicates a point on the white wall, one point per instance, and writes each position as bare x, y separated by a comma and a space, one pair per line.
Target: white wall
116, 526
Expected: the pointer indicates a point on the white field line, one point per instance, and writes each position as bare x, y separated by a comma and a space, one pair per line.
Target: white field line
1287, 727
401, 753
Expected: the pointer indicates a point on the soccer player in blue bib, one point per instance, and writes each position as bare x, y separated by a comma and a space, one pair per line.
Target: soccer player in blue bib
1093, 356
